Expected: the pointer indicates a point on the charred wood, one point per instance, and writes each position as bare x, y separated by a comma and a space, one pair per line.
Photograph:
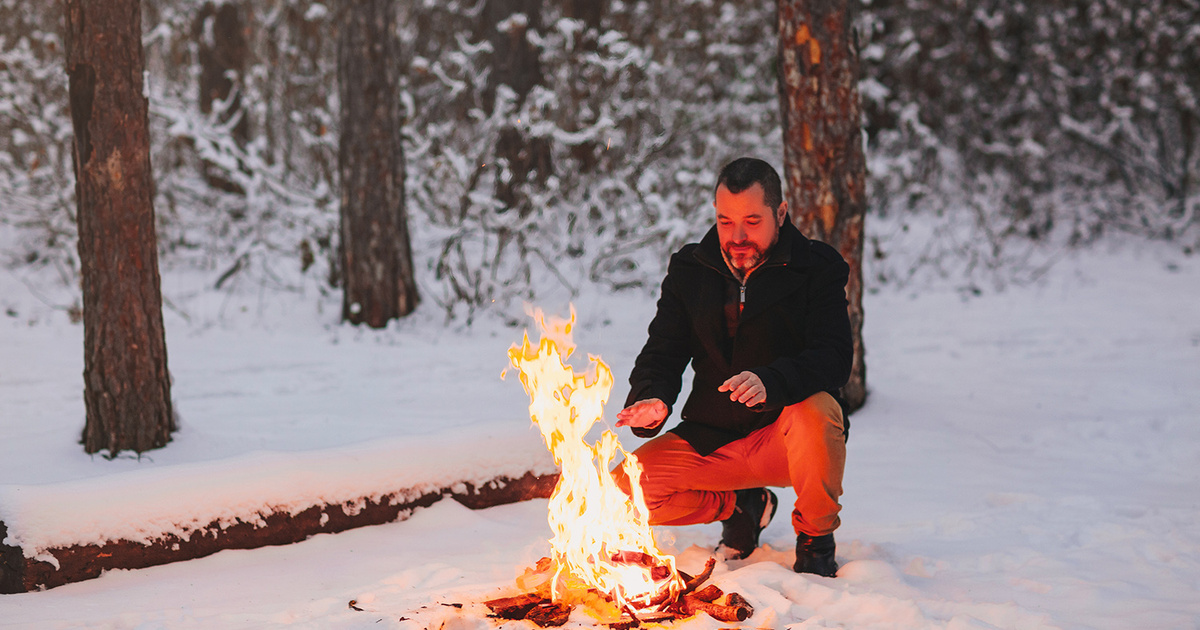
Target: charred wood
514, 607
549, 614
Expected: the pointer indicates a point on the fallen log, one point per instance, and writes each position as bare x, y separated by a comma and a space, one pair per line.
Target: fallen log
75, 563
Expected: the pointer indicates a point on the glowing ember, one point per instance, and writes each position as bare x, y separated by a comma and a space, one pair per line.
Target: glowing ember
602, 538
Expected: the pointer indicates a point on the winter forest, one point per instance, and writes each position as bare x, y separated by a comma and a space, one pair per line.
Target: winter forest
351, 210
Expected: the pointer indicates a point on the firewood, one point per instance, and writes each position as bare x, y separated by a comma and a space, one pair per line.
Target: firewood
657, 617
710, 593
549, 614
634, 557
658, 571
692, 583
665, 602
735, 599
633, 620
721, 612
514, 607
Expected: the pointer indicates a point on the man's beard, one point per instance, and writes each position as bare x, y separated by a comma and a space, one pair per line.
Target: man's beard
748, 261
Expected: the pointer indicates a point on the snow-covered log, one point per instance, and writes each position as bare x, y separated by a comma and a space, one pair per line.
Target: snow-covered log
55, 566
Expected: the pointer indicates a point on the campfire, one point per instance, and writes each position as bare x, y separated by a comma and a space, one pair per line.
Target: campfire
603, 554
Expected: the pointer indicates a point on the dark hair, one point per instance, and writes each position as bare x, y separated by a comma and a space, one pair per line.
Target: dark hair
743, 173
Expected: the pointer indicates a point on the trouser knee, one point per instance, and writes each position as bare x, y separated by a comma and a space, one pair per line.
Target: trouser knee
817, 417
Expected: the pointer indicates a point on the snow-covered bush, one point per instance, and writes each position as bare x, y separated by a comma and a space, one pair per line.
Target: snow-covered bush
1042, 120
260, 209
992, 130
635, 118
37, 225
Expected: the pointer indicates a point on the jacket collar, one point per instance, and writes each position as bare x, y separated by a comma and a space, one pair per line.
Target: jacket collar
793, 251
792, 248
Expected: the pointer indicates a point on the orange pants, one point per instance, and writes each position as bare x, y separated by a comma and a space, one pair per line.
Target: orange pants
805, 449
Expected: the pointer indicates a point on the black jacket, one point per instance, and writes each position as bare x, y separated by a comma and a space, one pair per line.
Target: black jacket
793, 332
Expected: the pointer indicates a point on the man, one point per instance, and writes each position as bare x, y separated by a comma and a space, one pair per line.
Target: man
760, 312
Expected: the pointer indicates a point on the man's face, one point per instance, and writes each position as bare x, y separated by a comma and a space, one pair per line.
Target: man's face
747, 227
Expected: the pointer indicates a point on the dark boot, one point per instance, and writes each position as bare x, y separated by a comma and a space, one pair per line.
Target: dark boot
814, 554
751, 513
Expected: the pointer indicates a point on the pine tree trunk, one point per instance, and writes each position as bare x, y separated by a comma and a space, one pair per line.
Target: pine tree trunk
823, 157
377, 268
126, 385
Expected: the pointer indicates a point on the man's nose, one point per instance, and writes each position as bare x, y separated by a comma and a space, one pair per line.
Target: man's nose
739, 233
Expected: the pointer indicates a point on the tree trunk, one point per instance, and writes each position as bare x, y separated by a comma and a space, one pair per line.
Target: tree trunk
822, 142
127, 390
377, 269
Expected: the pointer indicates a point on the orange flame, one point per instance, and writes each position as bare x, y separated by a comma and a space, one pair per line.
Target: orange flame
593, 521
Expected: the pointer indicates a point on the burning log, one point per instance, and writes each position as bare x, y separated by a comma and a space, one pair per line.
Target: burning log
549, 614
710, 593
658, 571
668, 606
635, 620
690, 583
535, 608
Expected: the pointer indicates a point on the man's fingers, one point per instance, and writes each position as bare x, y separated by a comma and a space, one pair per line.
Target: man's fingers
751, 396
745, 388
734, 382
745, 394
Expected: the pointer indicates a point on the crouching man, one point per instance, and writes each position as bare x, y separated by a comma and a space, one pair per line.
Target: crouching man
760, 312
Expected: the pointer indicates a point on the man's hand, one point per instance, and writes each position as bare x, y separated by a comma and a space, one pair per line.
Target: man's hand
643, 414
745, 388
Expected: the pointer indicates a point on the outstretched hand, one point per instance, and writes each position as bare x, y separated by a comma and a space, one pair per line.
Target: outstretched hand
643, 414
745, 388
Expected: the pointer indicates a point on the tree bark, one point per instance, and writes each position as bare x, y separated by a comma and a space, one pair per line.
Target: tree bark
126, 384
377, 269
824, 164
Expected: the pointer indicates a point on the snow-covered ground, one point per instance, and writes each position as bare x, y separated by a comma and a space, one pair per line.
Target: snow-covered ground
1027, 459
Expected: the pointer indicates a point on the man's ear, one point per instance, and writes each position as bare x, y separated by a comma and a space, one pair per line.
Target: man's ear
781, 213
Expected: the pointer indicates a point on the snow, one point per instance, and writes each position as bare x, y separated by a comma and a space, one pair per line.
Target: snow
1027, 459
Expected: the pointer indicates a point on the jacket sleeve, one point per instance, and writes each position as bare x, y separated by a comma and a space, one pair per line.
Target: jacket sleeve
824, 364
658, 370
